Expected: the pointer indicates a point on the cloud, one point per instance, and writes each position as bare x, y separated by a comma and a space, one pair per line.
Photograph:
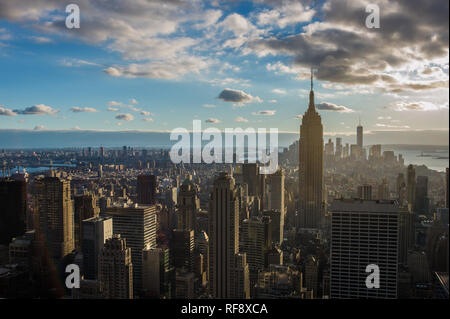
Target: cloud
344, 51
237, 96
279, 91
39, 127
241, 119
148, 119
134, 101
112, 109
289, 13
169, 69
125, 117
265, 113
37, 39
77, 109
418, 106
392, 126
209, 106
212, 120
326, 106
146, 113
38, 109
114, 103
6, 112
298, 117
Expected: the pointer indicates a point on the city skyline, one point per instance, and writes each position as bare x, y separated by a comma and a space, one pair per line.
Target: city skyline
229, 64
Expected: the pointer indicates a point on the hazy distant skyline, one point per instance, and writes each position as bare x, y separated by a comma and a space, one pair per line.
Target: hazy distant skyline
158, 65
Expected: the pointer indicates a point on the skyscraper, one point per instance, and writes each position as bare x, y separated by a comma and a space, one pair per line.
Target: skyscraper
363, 233
96, 231
253, 244
53, 208
359, 135
116, 269
421, 196
250, 176
137, 224
411, 185
157, 272
188, 206
276, 191
146, 189
182, 249
226, 267
13, 208
311, 166
85, 207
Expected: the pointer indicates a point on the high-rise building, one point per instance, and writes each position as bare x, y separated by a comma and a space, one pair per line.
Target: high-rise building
54, 211
383, 190
85, 206
411, 185
146, 189
253, 244
401, 189
311, 274
363, 233
182, 249
276, 225
13, 199
338, 153
202, 246
421, 196
188, 205
276, 191
96, 231
405, 234
250, 175
359, 135
137, 224
365, 192
311, 166
375, 152
226, 266
156, 272
116, 269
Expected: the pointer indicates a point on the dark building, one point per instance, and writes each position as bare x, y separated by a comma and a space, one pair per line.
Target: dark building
13, 207
85, 207
146, 189
421, 198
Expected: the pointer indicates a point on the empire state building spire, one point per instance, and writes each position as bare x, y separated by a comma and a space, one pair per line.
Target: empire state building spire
311, 94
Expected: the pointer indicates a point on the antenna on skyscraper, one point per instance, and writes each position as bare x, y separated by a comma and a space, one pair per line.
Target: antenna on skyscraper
312, 72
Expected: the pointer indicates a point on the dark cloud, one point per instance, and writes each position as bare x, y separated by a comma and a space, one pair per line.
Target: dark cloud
326, 106
39, 109
7, 112
236, 96
345, 51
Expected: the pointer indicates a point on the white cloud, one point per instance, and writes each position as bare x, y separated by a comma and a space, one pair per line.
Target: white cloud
112, 109
6, 112
279, 91
77, 109
241, 119
209, 106
265, 113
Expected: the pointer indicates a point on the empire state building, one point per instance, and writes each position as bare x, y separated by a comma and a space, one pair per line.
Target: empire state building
311, 167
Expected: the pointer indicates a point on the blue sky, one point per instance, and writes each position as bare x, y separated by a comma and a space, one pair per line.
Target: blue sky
150, 65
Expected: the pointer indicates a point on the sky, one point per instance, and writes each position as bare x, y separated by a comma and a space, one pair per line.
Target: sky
158, 65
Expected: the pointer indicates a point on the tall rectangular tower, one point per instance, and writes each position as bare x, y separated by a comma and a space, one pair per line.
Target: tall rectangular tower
53, 208
224, 241
311, 167
363, 233
137, 224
